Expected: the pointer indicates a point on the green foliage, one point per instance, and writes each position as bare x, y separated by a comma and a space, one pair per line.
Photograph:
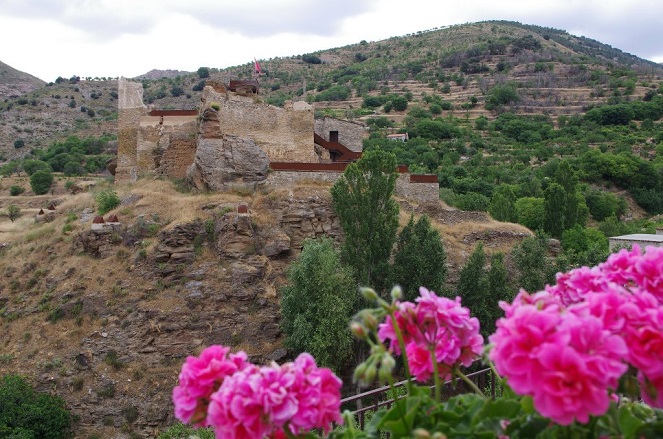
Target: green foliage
107, 200
334, 93
181, 431
554, 203
604, 204
19, 143
15, 190
13, 212
41, 182
534, 268
25, 413
203, 72
363, 201
419, 259
73, 168
311, 59
317, 304
472, 201
398, 102
584, 246
32, 166
503, 204
501, 95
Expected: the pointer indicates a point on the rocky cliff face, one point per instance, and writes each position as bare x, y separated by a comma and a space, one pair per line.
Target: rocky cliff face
113, 347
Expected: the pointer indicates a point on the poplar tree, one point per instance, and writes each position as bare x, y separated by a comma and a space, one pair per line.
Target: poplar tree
362, 200
419, 259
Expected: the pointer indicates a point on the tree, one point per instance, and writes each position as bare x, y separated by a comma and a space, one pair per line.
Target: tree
471, 281
534, 269
498, 288
501, 95
363, 201
41, 182
419, 259
15, 190
554, 205
317, 304
566, 178
203, 72
32, 166
399, 103
73, 168
503, 204
25, 413
13, 212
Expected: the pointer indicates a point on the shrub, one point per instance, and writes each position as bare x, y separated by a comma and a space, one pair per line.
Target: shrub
13, 212
28, 414
107, 200
41, 182
90, 112
73, 168
16, 190
19, 143
203, 72
311, 59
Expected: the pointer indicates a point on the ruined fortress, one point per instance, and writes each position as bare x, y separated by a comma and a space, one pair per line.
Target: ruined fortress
235, 140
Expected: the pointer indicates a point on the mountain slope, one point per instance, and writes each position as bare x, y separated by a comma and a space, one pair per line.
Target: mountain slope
14, 83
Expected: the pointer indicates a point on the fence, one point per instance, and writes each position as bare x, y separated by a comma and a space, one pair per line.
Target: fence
375, 399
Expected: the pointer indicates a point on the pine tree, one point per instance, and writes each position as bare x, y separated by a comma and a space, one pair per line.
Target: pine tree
554, 204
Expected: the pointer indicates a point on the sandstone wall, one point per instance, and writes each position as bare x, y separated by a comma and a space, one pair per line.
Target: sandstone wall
285, 134
130, 110
166, 144
350, 134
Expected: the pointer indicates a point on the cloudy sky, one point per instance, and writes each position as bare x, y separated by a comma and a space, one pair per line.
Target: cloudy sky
51, 38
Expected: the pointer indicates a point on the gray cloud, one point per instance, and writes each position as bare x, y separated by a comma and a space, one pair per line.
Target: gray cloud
308, 17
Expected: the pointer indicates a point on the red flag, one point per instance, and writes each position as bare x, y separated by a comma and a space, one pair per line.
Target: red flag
256, 66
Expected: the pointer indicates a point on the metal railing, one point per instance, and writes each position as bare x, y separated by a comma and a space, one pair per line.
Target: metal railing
377, 398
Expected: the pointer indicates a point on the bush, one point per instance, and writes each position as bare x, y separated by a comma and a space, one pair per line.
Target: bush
203, 72
311, 59
25, 413
41, 182
73, 168
107, 200
32, 166
13, 212
19, 143
16, 190
90, 112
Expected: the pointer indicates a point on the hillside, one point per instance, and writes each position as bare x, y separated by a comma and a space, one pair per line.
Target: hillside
556, 74
14, 83
105, 320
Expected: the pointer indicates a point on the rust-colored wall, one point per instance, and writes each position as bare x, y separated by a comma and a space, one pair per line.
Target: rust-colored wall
166, 144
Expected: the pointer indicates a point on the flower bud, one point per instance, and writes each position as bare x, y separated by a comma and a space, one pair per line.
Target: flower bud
358, 330
368, 293
388, 363
368, 319
439, 435
369, 374
360, 370
396, 292
420, 433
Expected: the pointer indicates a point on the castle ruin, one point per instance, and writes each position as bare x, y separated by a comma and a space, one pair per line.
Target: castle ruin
235, 140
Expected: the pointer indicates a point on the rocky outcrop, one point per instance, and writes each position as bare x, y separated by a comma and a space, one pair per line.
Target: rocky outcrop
98, 243
223, 162
178, 244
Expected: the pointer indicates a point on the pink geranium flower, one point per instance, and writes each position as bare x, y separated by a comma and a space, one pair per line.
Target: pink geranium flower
438, 325
200, 377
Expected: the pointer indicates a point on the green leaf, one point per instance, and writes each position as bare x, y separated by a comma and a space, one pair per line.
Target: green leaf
399, 424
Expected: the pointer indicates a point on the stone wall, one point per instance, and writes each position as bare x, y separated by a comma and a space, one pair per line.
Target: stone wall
350, 134
285, 134
130, 110
166, 144
422, 192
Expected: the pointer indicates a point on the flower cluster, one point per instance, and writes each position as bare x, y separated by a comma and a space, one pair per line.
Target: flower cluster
434, 327
569, 345
241, 400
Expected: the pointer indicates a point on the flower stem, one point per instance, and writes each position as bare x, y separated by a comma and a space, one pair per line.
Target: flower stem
468, 381
398, 402
436, 375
